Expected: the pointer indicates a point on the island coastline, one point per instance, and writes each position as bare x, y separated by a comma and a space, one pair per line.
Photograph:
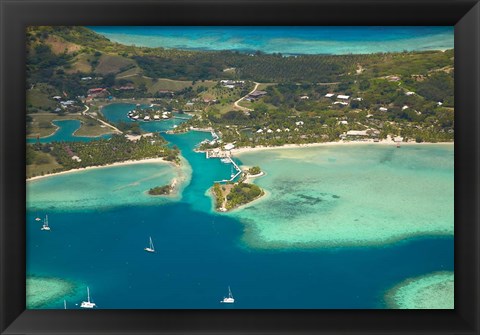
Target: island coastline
129, 162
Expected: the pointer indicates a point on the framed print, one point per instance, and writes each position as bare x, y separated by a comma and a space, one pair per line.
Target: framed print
202, 167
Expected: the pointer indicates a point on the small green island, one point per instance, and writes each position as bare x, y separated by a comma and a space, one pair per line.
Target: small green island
161, 190
253, 171
232, 195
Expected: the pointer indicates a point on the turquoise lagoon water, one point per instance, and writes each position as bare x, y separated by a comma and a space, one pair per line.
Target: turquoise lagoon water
117, 112
65, 133
97, 239
351, 195
286, 40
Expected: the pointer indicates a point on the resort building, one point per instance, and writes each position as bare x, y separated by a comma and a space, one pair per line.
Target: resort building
383, 109
343, 97
354, 133
229, 146
257, 94
232, 83
409, 93
329, 95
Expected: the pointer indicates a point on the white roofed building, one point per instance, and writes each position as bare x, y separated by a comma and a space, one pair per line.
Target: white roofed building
229, 146
343, 97
357, 133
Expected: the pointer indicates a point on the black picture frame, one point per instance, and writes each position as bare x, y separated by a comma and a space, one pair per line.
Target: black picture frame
17, 14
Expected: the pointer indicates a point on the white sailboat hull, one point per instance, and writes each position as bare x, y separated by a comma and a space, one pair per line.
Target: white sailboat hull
228, 301
87, 304
149, 250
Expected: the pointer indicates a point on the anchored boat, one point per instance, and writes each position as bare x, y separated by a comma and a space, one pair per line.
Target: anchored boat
229, 299
45, 224
88, 303
150, 248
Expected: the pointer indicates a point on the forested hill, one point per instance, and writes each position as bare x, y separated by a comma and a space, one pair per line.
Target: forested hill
56, 51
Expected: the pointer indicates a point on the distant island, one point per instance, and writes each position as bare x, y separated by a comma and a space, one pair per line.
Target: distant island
161, 190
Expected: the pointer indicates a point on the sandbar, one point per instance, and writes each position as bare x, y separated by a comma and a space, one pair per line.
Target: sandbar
43, 291
129, 162
432, 291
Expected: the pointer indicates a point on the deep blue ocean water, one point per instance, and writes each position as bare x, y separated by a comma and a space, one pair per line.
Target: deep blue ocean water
285, 40
199, 253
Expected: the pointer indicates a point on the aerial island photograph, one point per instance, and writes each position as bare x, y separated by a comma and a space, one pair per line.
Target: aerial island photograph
240, 167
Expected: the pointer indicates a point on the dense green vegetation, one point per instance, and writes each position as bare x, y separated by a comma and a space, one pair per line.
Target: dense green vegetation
218, 194
73, 155
294, 110
254, 170
242, 193
232, 195
160, 190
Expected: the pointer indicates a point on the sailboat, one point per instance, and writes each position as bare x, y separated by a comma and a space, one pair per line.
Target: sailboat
45, 224
150, 248
230, 299
88, 303
38, 219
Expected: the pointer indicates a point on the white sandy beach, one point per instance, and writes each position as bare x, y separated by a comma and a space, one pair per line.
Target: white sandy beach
129, 162
241, 150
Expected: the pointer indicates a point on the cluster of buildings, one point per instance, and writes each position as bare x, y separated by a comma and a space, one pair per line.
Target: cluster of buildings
125, 88
147, 115
97, 93
343, 100
232, 83
361, 134
64, 104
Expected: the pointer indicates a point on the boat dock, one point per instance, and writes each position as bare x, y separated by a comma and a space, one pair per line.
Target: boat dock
237, 168
217, 153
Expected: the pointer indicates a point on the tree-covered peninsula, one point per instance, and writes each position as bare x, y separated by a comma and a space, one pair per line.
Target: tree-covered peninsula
63, 156
232, 195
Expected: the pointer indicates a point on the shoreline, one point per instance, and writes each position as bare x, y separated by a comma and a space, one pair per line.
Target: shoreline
73, 134
429, 291
241, 150
261, 197
129, 162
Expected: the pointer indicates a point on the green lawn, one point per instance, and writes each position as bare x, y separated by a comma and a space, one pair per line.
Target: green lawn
42, 125
112, 64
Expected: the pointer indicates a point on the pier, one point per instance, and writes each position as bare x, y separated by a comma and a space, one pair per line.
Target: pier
239, 171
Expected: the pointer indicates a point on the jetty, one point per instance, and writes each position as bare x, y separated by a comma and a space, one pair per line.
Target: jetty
217, 153
237, 168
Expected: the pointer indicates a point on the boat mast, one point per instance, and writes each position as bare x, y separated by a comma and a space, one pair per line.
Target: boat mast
64, 304
46, 220
229, 292
151, 244
88, 294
